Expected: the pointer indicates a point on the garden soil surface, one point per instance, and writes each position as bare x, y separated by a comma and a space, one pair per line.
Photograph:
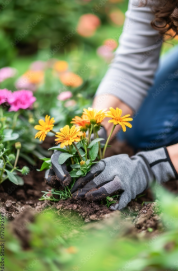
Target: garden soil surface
19, 202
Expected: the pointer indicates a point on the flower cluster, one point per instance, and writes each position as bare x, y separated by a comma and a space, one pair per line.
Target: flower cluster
30, 80
106, 51
90, 121
21, 99
67, 77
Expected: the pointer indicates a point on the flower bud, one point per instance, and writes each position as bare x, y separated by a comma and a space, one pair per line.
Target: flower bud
17, 145
82, 163
11, 157
25, 170
31, 120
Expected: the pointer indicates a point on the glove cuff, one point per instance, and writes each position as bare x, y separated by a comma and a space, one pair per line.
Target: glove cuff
160, 164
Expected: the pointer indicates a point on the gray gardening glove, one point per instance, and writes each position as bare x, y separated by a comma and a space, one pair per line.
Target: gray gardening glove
58, 175
122, 173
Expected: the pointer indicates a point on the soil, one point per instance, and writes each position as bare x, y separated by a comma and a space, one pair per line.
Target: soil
15, 200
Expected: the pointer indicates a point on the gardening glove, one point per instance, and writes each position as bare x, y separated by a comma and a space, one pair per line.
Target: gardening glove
122, 173
58, 174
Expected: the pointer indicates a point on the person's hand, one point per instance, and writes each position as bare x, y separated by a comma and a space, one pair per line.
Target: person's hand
122, 173
58, 175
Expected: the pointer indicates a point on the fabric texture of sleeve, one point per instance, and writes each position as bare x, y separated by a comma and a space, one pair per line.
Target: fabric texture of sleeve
136, 59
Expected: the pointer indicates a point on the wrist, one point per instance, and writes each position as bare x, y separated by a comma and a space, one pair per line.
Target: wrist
173, 154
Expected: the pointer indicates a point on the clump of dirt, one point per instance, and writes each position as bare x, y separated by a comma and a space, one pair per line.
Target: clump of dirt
89, 211
148, 220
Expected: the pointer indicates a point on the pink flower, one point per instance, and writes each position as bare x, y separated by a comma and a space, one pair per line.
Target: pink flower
5, 96
6, 72
65, 95
22, 99
38, 65
105, 52
23, 83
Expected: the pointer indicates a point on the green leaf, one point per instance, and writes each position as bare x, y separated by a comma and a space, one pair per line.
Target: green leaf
12, 177
93, 152
45, 165
82, 153
79, 173
9, 135
20, 180
63, 157
94, 142
57, 148
28, 159
75, 166
73, 174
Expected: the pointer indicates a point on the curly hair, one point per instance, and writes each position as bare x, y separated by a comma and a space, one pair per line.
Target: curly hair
166, 17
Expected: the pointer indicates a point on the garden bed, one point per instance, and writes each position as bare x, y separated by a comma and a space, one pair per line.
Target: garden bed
20, 198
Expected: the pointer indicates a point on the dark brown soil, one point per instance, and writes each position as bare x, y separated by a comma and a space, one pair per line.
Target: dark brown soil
14, 199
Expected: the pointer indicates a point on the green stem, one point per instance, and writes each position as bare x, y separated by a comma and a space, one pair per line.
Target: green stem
77, 151
17, 158
15, 120
108, 140
89, 134
53, 132
2, 171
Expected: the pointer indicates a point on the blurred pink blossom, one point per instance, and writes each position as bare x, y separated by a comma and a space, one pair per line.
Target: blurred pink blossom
5, 96
23, 83
38, 65
65, 95
22, 99
70, 103
7, 72
87, 25
105, 52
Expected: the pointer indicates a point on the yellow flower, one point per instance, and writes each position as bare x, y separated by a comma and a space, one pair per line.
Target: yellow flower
83, 122
44, 127
61, 66
115, 115
94, 115
68, 135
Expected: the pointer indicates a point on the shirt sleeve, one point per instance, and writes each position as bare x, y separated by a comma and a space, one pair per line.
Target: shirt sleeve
136, 59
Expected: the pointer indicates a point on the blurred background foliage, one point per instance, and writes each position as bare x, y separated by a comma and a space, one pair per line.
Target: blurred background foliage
31, 26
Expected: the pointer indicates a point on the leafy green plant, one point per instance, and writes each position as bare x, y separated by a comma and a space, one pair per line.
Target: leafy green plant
8, 160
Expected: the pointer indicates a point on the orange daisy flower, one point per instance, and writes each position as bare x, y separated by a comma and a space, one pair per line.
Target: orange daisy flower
94, 115
34, 77
68, 135
115, 115
44, 127
83, 122
60, 66
71, 79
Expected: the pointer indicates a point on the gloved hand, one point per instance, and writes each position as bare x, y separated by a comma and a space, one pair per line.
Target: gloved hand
58, 174
122, 173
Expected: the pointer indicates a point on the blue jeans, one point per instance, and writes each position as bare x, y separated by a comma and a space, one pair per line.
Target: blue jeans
156, 122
